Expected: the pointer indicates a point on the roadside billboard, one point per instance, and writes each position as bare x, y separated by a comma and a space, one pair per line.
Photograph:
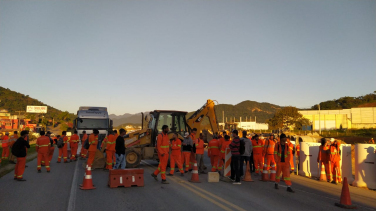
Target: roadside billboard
36, 109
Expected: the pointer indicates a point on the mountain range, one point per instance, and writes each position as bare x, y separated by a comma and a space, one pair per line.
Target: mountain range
247, 110
14, 102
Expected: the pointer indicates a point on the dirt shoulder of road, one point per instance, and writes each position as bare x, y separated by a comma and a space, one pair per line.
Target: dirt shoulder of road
7, 167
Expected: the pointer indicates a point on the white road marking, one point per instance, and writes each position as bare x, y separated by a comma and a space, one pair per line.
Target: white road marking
72, 196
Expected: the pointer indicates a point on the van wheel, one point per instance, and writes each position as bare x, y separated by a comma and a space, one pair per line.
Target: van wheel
132, 158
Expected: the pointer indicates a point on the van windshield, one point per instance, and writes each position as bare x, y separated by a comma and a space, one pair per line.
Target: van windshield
92, 124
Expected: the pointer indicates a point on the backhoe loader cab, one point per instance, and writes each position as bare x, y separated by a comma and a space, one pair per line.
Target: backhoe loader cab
141, 144
175, 120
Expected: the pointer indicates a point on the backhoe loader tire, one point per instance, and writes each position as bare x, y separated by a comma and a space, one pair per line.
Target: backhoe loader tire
132, 158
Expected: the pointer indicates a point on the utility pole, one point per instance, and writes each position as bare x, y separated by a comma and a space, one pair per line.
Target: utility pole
319, 120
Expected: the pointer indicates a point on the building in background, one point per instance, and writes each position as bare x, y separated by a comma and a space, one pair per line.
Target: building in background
354, 118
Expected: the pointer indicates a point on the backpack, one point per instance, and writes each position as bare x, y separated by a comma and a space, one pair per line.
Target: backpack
242, 147
15, 150
86, 144
60, 142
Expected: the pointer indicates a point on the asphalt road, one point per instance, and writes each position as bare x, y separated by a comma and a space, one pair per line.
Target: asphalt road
59, 190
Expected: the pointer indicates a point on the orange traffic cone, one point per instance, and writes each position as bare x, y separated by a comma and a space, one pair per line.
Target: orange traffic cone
323, 173
87, 184
195, 177
345, 201
265, 174
247, 177
273, 172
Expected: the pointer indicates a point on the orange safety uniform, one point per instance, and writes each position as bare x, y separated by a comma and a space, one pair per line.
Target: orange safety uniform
93, 141
176, 156
283, 162
74, 146
298, 150
258, 159
83, 150
291, 146
110, 151
325, 159
4, 144
213, 153
200, 148
335, 158
64, 150
268, 154
43, 148
163, 149
12, 140
223, 154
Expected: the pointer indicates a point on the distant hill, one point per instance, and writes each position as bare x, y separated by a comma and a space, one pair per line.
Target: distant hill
14, 102
113, 116
129, 119
368, 100
246, 110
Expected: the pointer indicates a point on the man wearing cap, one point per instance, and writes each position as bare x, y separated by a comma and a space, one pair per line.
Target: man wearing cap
4, 144
43, 147
175, 157
282, 158
187, 149
163, 149
19, 150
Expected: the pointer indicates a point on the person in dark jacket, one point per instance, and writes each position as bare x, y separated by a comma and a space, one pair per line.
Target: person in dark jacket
235, 158
19, 150
120, 150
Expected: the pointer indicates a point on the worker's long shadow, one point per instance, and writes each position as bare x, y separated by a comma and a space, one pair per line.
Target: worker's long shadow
370, 161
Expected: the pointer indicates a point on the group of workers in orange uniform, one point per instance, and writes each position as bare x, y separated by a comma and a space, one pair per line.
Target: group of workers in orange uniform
273, 152
330, 156
190, 151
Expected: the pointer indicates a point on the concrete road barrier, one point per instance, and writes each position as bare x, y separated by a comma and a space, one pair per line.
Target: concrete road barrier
308, 159
365, 166
346, 165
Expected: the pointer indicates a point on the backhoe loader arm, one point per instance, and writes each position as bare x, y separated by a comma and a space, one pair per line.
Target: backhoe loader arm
206, 110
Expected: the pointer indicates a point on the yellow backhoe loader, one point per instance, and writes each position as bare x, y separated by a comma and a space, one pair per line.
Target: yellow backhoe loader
140, 145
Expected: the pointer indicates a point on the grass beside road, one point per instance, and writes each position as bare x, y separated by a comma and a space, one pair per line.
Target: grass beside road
7, 167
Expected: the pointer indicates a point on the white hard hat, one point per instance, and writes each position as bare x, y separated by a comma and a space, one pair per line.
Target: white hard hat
332, 140
186, 134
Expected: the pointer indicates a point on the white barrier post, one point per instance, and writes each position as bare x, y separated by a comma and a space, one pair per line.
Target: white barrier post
365, 168
308, 159
227, 170
345, 163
